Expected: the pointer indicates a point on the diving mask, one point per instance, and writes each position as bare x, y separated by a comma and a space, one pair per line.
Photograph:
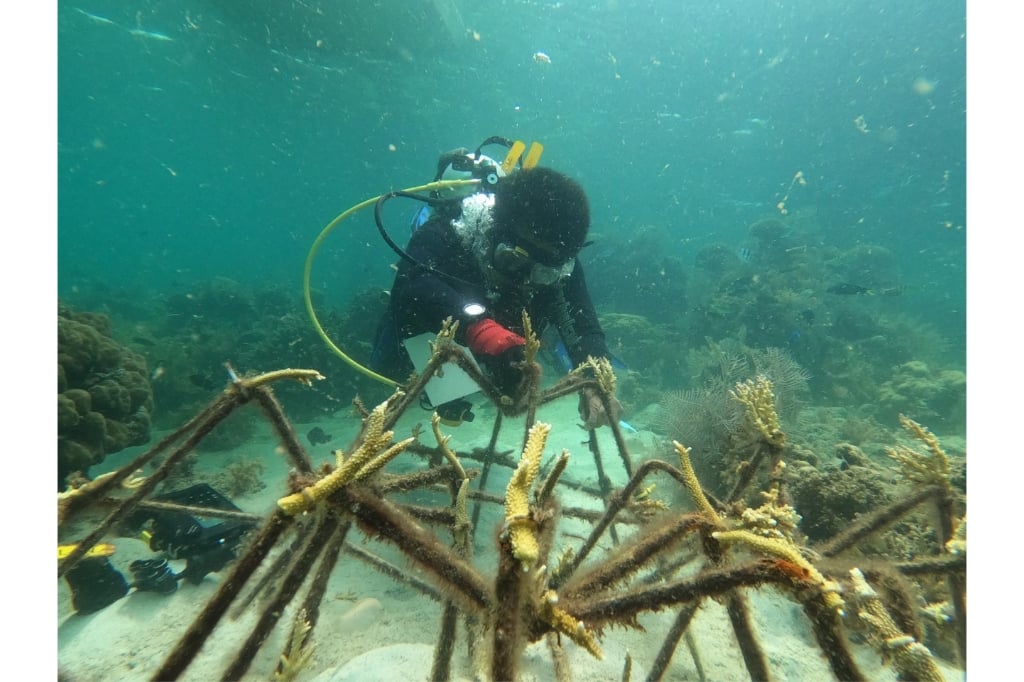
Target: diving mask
515, 260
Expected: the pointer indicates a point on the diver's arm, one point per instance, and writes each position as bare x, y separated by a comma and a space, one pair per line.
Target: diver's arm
422, 299
584, 317
588, 328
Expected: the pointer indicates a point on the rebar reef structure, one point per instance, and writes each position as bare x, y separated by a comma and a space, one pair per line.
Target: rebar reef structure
671, 560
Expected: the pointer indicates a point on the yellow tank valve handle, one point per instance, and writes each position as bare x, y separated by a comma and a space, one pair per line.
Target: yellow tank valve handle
512, 158
533, 156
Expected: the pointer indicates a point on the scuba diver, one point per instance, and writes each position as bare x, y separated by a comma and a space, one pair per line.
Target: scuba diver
510, 245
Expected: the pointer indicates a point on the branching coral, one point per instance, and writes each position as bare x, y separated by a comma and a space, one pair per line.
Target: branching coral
757, 397
721, 418
602, 370
958, 543
377, 449
788, 551
916, 467
692, 484
298, 652
771, 519
912, 659
521, 601
521, 528
564, 623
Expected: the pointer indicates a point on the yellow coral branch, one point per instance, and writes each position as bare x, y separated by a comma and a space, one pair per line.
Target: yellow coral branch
916, 466
463, 526
532, 342
644, 505
958, 543
564, 623
446, 335
442, 442
925, 436
789, 552
363, 462
383, 458
603, 372
771, 519
759, 400
692, 484
521, 529
444, 339
303, 376
298, 653
912, 659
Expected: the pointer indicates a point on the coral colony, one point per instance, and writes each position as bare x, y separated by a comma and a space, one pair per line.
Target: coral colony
571, 596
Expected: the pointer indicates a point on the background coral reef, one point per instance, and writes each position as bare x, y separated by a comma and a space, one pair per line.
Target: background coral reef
104, 398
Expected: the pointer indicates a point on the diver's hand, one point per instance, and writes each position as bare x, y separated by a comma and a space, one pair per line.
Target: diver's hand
501, 351
506, 369
487, 337
592, 410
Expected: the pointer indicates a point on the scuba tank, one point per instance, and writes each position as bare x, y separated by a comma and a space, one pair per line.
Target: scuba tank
460, 173
464, 164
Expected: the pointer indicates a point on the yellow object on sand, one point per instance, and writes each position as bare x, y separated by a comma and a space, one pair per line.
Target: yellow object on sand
102, 549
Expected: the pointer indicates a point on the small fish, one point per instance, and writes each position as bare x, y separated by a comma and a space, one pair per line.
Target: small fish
317, 436
745, 254
143, 341
152, 35
541, 58
627, 426
95, 17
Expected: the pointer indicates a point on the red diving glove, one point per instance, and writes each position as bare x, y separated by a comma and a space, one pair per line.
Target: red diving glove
501, 351
487, 337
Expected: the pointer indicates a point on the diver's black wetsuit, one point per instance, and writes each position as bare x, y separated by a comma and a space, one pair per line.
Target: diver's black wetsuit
421, 300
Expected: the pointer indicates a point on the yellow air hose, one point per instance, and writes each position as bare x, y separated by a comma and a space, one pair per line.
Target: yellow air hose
429, 187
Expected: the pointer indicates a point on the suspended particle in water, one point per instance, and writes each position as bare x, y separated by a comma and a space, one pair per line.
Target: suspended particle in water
923, 86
